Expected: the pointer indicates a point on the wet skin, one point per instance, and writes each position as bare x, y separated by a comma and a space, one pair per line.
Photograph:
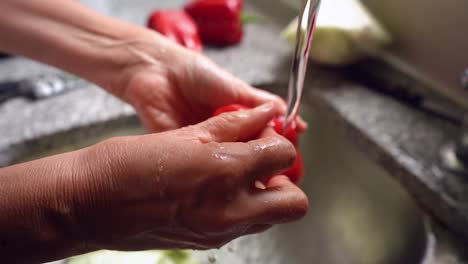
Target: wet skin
192, 185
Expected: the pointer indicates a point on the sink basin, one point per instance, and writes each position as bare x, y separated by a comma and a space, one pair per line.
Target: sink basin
358, 213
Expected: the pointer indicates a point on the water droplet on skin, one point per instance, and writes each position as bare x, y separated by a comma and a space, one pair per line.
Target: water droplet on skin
242, 114
220, 153
160, 166
212, 258
220, 156
262, 147
158, 177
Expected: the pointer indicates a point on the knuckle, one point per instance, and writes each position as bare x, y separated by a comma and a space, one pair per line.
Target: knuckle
279, 149
226, 165
202, 131
226, 173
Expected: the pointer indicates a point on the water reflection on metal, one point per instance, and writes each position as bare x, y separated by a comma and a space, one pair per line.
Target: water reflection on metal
305, 32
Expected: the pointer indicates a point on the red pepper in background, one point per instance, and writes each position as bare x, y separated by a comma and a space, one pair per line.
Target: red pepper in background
296, 172
219, 21
177, 26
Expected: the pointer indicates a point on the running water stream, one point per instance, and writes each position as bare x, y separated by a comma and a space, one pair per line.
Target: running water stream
305, 32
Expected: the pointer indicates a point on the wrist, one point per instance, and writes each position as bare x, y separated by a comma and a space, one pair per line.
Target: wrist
93, 46
36, 215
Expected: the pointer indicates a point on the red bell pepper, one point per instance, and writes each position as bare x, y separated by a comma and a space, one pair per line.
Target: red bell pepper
177, 26
229, 108
296, 172
219, 21
291, 130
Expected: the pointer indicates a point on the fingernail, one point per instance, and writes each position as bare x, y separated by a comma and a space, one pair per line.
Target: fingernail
259, 185
266, 107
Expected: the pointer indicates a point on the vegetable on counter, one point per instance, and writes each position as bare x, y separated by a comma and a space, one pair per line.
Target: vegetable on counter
177, 26
296, 172
219, 21
140, 257
345, 31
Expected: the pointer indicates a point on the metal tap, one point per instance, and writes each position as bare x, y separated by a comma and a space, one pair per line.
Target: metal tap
304, 35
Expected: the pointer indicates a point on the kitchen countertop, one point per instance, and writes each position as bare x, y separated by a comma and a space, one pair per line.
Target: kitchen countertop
404, 141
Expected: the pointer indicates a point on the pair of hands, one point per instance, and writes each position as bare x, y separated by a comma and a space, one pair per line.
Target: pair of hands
192, 187
186, 90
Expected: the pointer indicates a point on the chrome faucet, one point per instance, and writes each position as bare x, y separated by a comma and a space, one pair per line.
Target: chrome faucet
304, 35
455, 155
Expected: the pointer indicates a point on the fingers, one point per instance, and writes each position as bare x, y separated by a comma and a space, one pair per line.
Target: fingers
237, 126
258, 159
271, 155
228, 89
282, 201
252, 97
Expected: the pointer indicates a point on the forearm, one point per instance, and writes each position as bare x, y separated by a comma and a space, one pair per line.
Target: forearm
72, 37
36, 216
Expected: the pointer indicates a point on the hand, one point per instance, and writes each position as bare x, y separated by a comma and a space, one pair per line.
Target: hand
188, 188
184, 88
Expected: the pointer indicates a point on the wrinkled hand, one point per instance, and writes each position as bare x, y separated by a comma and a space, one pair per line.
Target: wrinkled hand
183, 88
188, 188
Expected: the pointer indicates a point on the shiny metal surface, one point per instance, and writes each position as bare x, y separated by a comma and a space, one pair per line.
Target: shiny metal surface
430, 40
304, 36
358, 213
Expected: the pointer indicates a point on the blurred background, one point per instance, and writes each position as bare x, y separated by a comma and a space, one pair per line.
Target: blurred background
384, 97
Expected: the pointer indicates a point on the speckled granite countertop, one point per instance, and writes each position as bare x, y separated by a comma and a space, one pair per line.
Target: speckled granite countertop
404, 141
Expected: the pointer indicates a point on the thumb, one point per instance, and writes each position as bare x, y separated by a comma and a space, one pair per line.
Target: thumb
238, 126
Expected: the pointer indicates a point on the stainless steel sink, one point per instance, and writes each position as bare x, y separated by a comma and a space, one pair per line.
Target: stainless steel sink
358, 213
